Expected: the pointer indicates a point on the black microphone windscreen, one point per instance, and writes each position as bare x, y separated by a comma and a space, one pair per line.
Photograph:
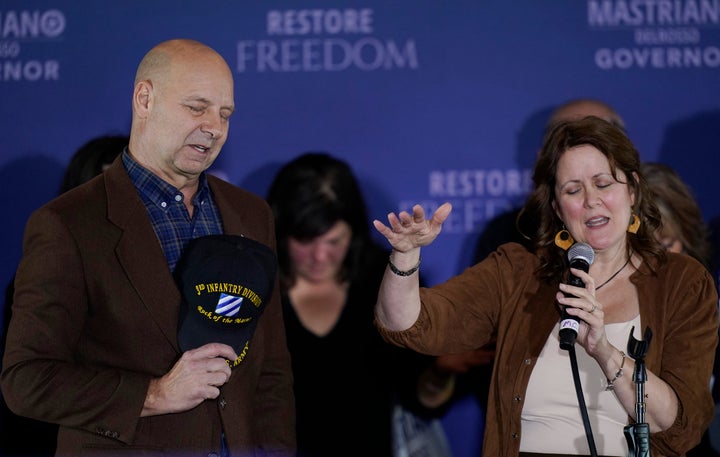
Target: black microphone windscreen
580, 255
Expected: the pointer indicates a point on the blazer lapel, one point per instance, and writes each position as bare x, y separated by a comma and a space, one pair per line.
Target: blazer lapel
232, 220
140, 254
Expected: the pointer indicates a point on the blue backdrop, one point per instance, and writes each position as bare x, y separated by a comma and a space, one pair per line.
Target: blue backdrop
429, 101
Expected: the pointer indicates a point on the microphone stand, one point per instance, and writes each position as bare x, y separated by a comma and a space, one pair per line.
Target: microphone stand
637, 435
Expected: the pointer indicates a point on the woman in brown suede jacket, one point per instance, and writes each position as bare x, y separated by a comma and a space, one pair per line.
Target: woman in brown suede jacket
588, 189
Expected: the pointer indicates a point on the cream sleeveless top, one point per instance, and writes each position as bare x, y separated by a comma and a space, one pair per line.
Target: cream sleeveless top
551, 420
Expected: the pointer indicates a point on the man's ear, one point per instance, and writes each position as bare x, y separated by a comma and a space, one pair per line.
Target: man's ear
142, 98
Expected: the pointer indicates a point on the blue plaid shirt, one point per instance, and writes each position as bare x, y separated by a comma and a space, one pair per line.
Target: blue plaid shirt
170, 219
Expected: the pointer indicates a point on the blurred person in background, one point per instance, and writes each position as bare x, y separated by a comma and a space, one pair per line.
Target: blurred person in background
91, 159
347, 379
683, 227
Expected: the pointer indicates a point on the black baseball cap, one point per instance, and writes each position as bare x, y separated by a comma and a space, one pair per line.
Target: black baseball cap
225, 282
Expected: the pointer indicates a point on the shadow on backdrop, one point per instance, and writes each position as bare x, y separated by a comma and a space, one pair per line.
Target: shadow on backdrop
528, 142
29, 183
258, 181
685, 149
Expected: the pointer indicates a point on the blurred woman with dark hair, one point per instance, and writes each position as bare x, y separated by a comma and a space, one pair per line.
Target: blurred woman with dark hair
346, 377
683, 228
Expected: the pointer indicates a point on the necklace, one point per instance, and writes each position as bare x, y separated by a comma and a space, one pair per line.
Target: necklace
616, 273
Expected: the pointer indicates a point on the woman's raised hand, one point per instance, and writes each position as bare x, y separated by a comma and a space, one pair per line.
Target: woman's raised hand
407, 232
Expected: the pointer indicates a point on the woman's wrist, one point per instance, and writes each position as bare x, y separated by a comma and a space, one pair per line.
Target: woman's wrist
618, 373
400, 272
405, 260
615, 367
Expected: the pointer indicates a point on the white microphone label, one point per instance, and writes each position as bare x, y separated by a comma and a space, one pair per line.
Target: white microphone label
571, 324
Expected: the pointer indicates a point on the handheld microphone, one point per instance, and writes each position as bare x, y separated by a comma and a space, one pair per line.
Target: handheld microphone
581, 256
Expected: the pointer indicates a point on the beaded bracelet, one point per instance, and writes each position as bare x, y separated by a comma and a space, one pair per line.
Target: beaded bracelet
398, 272
618, 374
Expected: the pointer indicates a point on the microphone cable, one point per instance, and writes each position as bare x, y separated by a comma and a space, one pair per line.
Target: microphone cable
581, 401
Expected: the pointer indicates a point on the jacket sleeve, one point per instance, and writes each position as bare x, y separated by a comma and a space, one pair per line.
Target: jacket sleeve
42, 377
687, 337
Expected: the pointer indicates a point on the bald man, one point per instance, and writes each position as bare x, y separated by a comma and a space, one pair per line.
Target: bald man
93, 340
502, 228
579, 108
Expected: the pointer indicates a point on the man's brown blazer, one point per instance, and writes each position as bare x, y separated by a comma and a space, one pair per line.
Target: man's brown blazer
95, 318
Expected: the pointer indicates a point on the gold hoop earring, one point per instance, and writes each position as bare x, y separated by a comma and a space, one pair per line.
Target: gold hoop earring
564, 240
635, 224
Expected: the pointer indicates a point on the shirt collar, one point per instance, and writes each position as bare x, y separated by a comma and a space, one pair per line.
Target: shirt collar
154, 189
